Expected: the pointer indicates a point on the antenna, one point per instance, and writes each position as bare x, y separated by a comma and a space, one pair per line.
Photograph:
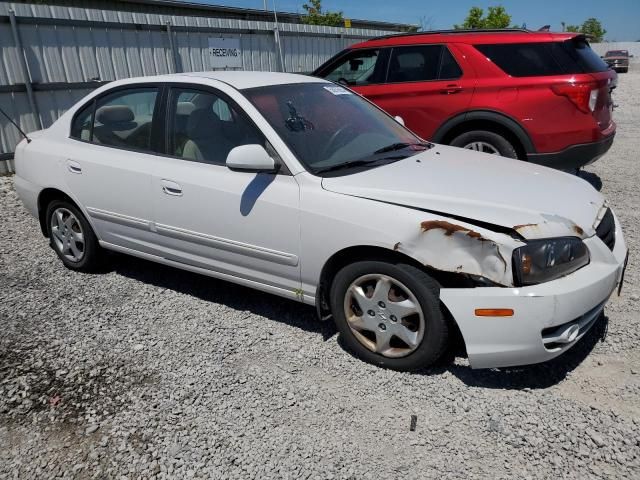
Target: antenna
16, 125
277, 35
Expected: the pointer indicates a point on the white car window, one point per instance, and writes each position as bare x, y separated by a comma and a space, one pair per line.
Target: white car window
122, 119
328, 126
204, 127
81, 128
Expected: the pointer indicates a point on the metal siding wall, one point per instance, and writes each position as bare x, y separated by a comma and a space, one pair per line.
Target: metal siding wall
15, 104
64, 53
10, 72
52, 105
305, 53
55, 103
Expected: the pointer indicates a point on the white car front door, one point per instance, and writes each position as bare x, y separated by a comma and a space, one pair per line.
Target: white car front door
235, 223
108, 161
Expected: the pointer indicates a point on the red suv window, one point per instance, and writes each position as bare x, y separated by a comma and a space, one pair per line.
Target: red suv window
449, 68
359, 67
411, 63
419, 63
414, 64
539, 59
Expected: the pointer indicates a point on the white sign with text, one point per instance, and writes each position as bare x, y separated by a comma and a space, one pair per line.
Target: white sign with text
225, 52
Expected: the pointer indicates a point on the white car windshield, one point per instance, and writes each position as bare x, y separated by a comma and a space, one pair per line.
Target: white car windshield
332, 130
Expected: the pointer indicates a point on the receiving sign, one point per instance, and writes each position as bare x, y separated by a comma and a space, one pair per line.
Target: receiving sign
225, 52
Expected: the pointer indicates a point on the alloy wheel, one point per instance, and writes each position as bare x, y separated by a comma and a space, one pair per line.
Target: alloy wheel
482, 147
67, 235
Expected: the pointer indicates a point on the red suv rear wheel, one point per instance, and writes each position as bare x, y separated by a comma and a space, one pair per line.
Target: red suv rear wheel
485, 141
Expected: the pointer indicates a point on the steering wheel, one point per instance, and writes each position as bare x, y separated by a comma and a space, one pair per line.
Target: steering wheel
332, 144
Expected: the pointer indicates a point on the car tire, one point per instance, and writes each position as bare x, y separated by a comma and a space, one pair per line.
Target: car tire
72, 238
485, 141
407, 287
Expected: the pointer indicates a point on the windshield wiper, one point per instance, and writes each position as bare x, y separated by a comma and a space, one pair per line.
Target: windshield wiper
400, 146
389, 148
355, 163
340, 166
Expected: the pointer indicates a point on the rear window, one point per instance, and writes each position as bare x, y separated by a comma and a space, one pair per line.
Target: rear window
540, 59
122, 119
616, 53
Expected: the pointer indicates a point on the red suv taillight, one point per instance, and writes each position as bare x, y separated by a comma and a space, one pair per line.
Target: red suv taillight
584, 95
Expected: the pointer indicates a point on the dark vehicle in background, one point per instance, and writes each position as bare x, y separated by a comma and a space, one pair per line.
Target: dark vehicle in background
537, 96
618, 60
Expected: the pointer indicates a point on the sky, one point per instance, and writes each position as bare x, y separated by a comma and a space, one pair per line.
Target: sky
621, 18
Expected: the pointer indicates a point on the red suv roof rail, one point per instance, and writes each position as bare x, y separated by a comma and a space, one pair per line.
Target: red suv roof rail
459, 31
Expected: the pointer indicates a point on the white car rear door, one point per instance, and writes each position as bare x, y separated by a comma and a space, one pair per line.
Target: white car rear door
108, 164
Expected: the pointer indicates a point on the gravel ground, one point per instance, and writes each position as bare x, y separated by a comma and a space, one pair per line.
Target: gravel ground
146, 371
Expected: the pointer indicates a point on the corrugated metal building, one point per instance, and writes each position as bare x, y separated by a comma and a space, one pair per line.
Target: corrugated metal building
53, 53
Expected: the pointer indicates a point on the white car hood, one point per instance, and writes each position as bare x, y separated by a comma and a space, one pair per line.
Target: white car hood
536, 201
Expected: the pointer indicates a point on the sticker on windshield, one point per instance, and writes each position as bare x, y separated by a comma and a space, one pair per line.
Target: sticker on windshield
337, 90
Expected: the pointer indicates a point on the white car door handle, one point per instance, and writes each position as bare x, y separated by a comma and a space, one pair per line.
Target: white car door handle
171, 188
73, 166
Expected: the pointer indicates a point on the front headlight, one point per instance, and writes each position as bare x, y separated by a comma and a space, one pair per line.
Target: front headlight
544, 260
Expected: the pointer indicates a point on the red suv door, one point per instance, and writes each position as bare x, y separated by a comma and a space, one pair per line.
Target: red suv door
424, 85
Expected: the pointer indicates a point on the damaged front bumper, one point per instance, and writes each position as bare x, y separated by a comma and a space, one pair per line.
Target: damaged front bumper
548, 318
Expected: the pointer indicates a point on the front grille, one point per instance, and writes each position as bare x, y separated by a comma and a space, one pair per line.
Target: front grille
606, 231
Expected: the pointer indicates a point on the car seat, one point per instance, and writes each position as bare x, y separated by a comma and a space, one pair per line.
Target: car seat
207, 141
112, 119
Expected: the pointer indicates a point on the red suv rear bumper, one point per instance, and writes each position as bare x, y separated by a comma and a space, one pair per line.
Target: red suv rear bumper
575, 156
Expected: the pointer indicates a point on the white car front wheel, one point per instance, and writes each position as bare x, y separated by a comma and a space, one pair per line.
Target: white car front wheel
389, 314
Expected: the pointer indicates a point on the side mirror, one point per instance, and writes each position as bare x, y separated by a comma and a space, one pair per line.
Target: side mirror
399, 119
251, 158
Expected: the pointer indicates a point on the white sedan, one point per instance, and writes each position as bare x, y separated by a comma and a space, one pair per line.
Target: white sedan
299, 187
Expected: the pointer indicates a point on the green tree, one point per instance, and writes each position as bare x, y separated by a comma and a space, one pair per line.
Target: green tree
591, 27
497, 17
594, 29
316, 16
475, 19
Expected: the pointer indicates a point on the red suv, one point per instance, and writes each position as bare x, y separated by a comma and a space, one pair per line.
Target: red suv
537, 96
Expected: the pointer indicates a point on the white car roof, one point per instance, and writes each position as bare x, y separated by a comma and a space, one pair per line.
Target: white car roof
237, 79
249, 79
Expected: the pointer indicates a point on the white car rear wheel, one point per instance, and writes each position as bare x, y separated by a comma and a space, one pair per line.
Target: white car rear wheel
71, 237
